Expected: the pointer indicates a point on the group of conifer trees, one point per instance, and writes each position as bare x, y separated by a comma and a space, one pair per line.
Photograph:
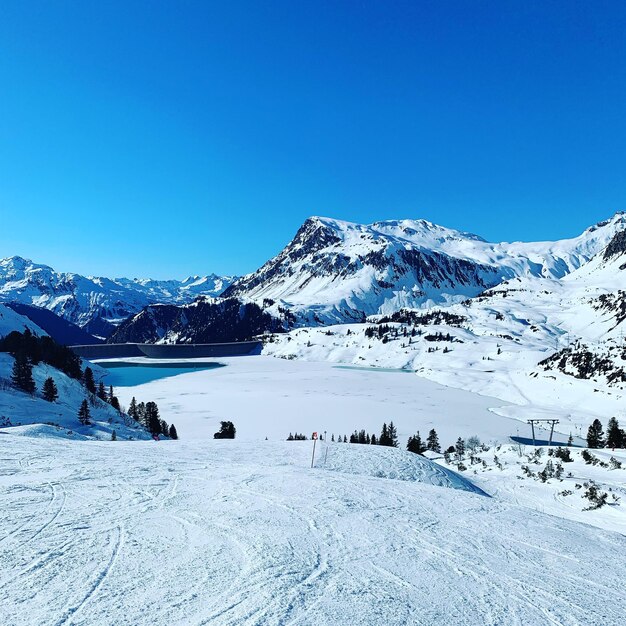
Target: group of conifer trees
615, 436
418, 446
147, 414
30, 349
94, 391
389, 437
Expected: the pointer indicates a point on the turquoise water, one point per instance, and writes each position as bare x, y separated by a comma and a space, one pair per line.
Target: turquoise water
374, 369
125, 374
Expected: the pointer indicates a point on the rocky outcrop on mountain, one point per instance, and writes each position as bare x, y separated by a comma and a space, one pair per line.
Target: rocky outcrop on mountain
204, 321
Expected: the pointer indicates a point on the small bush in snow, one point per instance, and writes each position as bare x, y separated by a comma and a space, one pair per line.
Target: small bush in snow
564, 455
589, 458
597, 499
614, 463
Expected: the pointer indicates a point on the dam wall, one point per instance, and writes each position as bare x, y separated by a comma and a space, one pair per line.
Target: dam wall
167, 351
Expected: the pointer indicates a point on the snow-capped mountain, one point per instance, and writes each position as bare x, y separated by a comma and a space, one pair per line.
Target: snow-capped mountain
95, 303
335, 271
554, 347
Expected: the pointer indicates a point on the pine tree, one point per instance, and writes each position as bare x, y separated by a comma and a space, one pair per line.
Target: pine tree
373, 440
227, 431
115, 403
101, 393
432, 441
88, 380
570, 441
84, 416
132, 409
152, 421
141, 413
22, 374
595, 435
415, 445
173, 434
384, 440
459, 448
49, 391
614, 434
393, 435
113, 436
110, 395
165, 429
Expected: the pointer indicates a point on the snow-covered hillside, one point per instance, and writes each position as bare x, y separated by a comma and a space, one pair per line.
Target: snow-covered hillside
229, 533
95, 303
10, 321
335, 271
33, 416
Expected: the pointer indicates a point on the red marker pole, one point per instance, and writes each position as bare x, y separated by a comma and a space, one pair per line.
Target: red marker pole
314, 437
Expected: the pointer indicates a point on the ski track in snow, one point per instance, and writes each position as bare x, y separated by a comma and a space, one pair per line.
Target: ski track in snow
226, 533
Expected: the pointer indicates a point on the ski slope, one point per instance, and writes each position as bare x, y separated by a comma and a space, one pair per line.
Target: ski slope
242, 533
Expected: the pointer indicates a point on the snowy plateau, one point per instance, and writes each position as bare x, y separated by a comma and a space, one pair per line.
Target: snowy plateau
408, 321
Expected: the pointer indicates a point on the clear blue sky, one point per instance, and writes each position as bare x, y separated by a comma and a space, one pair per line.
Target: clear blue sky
171, 138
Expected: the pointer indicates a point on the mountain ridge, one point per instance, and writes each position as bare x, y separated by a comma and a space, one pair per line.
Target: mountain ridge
96, 302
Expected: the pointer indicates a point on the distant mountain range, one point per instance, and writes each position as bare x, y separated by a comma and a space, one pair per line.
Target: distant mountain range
331, 272
97, 304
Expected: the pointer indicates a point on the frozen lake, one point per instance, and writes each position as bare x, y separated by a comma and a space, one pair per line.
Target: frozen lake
133, 373
271, 397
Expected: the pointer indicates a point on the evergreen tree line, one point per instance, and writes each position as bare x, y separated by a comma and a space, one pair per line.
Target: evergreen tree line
147, 414
388, 437
417, 445
297, 437
615, 436
29, 350
32, 349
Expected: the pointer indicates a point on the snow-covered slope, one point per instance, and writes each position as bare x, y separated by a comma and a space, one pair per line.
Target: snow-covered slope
92, 302
10, 321
33, 416
59, 329
335, 271
230, 533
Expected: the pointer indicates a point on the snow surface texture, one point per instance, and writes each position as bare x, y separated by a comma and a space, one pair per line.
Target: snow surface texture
231, 533
80, 299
